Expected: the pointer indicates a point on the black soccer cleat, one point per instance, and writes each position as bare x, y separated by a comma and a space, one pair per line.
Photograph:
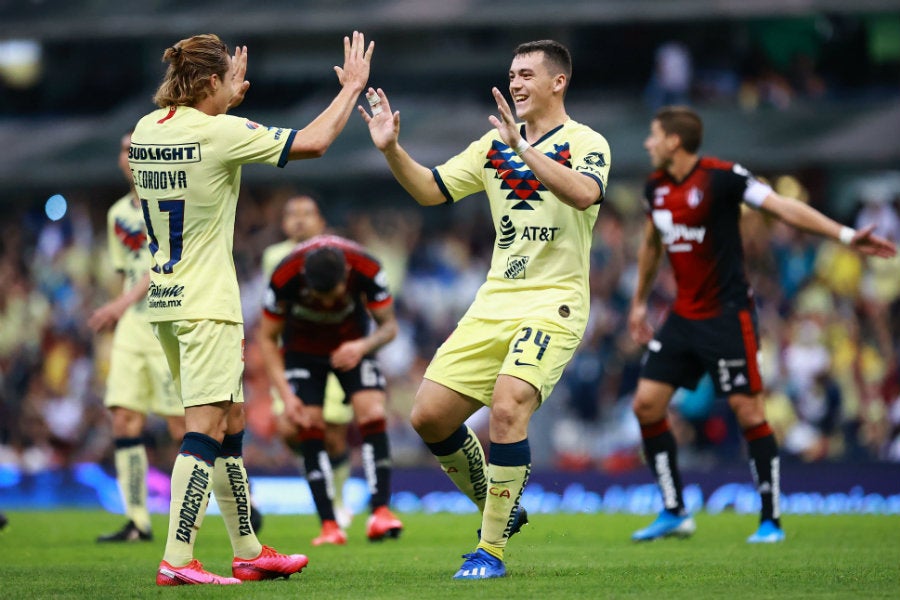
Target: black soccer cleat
128, 533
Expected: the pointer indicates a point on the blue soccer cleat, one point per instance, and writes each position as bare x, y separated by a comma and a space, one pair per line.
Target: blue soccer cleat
666, 525
480, 565
519, 521
768, 533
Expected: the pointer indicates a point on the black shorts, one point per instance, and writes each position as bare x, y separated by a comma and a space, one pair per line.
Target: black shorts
308, 373
725, 346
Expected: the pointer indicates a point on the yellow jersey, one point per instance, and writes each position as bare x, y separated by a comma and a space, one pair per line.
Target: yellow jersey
187, 173
541, 257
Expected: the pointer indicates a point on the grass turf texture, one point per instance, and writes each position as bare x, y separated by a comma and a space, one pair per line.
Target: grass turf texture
53, 555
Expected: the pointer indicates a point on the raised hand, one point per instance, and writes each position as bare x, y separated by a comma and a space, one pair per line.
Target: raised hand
239, 71
506, 124
357, 61
384, 126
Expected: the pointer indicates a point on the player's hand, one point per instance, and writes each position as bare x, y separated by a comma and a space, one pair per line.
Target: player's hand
868, 243
640, 329
384, 126
107, 315
348, 355
357, 62
296, 411
506, 123
241, 85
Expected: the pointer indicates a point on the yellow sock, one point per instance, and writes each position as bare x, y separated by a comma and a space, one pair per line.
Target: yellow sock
191, 486
505, 485
131, 475
232, 490
467, 469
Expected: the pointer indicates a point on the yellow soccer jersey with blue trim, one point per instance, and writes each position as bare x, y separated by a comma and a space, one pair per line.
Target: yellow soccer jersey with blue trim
187, 172
541, 256
127, 242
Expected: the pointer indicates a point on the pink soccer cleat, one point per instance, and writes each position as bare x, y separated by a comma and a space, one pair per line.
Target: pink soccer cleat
331, 534
192, 573
268, 565
383, 524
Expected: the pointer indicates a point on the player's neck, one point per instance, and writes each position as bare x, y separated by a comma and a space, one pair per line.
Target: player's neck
538, 127
682, 164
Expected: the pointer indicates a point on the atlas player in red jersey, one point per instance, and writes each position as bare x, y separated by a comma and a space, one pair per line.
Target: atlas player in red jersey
321, 302
694, 207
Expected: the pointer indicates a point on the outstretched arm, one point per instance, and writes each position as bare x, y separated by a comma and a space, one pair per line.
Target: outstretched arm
802, 216
313, 140
384, 127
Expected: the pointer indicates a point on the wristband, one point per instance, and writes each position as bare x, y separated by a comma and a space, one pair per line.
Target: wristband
846, 235
522, 146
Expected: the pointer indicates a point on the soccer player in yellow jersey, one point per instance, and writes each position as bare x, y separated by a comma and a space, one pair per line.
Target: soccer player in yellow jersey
545, 179
186, 159
139, 381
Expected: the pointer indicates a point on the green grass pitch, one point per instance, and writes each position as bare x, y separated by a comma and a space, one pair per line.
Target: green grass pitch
53, 555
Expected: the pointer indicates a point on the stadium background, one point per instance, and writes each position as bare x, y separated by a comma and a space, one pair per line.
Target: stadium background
806, 94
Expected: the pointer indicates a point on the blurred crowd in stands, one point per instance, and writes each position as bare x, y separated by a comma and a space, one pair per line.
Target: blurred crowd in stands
830, 322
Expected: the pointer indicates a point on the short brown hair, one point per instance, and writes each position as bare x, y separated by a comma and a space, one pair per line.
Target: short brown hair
683, 122
192, 62
554, 53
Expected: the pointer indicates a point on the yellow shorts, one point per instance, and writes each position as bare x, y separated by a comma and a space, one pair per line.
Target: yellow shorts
333, 410
479, 350
206, 359
140, 380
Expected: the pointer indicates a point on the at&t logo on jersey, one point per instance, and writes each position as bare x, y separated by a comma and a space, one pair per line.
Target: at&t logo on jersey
506, 234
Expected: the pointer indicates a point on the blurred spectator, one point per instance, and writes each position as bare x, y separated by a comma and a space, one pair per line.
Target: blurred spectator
672, 77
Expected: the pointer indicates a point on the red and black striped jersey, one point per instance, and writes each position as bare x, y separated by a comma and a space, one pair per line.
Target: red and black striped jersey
310, 327
698, 220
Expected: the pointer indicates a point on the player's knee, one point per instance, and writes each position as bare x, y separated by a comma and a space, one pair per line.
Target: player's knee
647, 410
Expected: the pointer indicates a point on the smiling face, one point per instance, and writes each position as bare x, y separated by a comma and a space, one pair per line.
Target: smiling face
532, 84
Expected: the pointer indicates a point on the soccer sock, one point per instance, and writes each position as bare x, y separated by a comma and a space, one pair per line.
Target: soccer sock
765, 467
661, 454
192, 477
232, 490
131, 475
508, 471
318, 471
340, 471
376, 459
462, 458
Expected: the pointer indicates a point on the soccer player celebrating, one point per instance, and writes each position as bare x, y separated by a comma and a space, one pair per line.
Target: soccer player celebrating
693, 208
186, 158
139, 381
301, 220
544, 179
320, 305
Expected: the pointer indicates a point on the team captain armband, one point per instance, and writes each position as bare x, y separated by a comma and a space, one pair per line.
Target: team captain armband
756, 192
